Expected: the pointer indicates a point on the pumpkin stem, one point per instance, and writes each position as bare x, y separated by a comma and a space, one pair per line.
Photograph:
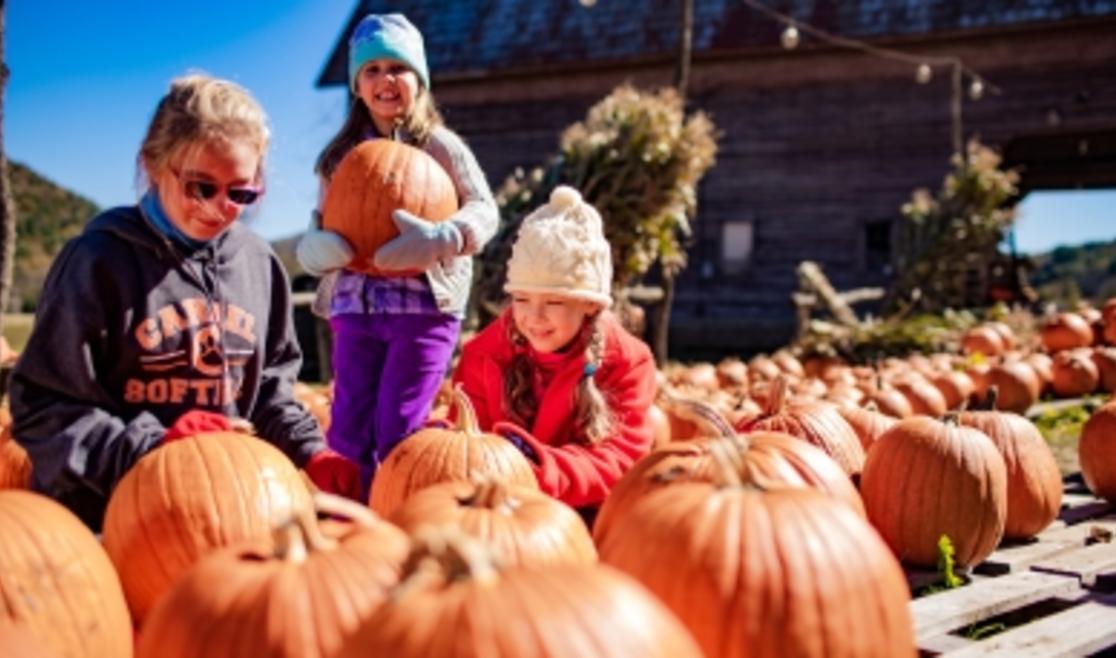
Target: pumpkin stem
445, 555
334, 505
490, 494
726, 461
700, 411
991, 397
396, 130
466, 415
301, 534
776, 396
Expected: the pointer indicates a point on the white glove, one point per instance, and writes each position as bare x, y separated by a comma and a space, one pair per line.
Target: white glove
420, 243
323, 251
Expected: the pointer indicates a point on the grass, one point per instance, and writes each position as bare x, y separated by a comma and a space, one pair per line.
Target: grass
1061, 427
17, 328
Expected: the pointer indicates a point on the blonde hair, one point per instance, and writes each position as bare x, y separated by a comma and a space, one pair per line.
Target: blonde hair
198, 110
418, 124
593, 419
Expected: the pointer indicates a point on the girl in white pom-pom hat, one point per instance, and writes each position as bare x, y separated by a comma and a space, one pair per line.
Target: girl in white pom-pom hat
556, 373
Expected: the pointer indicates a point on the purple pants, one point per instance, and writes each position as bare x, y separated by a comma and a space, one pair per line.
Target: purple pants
387, 369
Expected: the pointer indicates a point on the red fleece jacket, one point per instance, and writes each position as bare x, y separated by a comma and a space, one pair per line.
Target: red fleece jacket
577, 474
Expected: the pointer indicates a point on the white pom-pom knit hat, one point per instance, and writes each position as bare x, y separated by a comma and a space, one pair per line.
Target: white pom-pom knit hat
561, 250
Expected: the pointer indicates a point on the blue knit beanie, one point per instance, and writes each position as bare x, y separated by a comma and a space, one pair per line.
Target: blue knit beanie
389, 36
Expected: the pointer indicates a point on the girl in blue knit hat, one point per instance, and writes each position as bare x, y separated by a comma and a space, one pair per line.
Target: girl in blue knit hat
393, 337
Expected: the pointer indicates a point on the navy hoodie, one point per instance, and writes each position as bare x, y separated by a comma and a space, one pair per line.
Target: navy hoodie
131, 331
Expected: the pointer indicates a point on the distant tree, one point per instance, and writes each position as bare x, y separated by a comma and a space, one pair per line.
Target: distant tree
7, 209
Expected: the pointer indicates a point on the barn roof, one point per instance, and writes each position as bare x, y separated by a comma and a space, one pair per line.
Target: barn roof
484, 36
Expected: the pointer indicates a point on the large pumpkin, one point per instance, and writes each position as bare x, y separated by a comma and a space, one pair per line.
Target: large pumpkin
1095, 451
300, 596
17, 641
761, 570
1034, 482
189, 497
455, 601
520, 525
925, 478
56, 581
435, 454
778, 457
814, 421
374, 179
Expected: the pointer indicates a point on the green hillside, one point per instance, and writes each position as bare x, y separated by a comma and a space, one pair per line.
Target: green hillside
46, 217
1068, 274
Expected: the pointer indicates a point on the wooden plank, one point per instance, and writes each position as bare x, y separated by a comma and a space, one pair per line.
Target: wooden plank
1014, 558
1079, 631
942, 612
1085, 562
1080, 533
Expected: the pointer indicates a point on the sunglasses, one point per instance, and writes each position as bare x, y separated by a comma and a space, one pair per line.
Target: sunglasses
204, 190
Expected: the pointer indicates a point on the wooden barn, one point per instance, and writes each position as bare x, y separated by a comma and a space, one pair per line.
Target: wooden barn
820, 145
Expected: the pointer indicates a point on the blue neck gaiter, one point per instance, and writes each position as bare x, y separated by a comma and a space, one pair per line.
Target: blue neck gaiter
154, 212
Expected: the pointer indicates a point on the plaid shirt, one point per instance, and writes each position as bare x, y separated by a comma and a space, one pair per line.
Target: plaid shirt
367, 295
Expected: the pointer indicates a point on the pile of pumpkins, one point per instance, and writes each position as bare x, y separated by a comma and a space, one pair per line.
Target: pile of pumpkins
771, 518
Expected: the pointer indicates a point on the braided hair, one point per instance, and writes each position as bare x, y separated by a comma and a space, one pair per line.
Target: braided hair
593, 418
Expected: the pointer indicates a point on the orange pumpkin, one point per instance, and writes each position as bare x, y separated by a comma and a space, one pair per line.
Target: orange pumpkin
456, 601
925, 478
983, 339
520, 525
1034, 482
17, 641
925, 398
729, 558
301, 595
458, 454
1065, 331
1017, 386
1074, 373
189, 497
776, 456
15, 465
814, 421
57, 582
374, 179
868, 423
956, 387
1105, 360
1095, 450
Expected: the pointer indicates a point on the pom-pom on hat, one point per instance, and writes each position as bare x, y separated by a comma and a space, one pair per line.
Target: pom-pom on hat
561, 250
387, 36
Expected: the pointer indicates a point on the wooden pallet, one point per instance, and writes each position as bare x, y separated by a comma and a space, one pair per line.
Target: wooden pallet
1052, 596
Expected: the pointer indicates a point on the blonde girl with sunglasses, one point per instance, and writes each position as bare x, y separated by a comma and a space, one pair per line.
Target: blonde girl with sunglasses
169, 316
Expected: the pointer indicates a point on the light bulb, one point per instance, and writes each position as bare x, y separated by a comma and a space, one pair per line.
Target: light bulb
789, 38
923, 73
976, 89
587, 3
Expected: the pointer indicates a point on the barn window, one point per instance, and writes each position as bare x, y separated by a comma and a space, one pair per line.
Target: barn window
877, 246
737, 240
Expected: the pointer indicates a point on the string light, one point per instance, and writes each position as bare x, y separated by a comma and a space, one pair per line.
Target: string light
924, 65
923, 73
976, 89
790, 37
587, 3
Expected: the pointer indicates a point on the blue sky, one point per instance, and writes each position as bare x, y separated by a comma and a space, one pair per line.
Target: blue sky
86, 76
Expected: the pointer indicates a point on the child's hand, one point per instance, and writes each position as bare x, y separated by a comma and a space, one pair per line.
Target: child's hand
197, 421
322, 251
518, 437
336, 474
420, 243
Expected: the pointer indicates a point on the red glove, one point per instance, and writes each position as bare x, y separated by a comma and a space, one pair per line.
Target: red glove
335, 474
197, 421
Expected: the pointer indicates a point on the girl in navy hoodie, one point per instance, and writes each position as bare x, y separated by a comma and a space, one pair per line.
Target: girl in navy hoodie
167, 317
